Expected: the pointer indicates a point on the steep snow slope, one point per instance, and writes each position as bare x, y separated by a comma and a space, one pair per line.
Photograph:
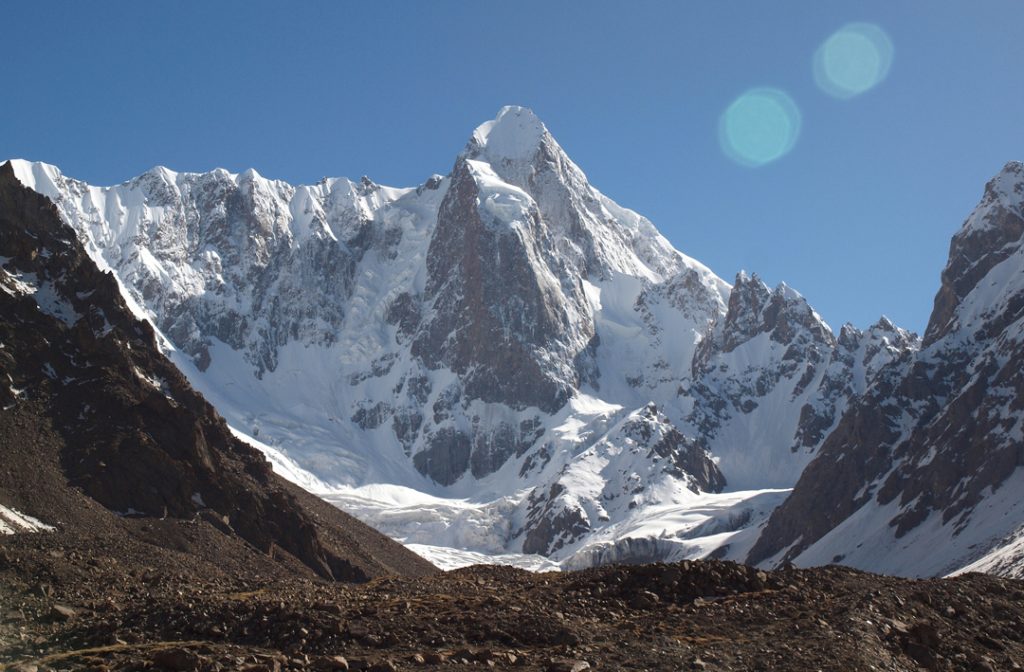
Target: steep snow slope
1006, 558
924, 474
492, 337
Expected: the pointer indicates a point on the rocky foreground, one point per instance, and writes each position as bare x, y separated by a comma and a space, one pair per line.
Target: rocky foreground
69, 602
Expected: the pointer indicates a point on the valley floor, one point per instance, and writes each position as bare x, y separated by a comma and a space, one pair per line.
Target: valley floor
72, 601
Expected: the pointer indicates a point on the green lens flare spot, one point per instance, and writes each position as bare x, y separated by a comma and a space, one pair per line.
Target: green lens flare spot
854, 59
760, 126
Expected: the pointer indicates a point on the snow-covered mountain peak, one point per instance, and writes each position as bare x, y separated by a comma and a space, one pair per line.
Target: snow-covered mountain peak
751, 280
520, 150
753, 288
164, 173
992, 234
884, 323
1008, 186
848, 335
593, 234
1004, 195
887, 329
755, 309
788, 293
515, 134
873, 348
883, 331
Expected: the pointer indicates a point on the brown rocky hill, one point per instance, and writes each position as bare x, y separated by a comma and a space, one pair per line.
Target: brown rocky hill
102, 438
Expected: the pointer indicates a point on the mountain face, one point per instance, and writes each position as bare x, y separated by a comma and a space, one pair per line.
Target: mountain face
771, 381
440, 338
923, 474
96, 423
504, 360
456, 314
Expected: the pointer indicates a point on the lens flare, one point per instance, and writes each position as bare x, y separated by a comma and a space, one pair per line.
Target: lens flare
760, 126
853, 60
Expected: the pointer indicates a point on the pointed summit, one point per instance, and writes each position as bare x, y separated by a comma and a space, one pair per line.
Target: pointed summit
1007, 186
602, 236
992, 233
884, 324
516, 133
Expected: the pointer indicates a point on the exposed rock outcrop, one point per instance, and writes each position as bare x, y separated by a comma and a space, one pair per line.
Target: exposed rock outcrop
499, 318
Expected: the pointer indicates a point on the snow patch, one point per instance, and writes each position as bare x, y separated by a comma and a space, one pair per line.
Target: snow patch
13, 521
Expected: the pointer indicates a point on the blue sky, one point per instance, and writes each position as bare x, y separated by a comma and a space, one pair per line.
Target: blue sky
857, 215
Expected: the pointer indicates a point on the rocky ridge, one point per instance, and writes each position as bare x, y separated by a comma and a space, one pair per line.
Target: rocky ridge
931, 454
772, 362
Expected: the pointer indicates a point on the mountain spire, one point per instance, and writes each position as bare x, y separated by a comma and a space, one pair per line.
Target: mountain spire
515, 134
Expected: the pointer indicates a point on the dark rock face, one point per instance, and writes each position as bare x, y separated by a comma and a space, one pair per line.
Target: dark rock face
974, 443
133, 434
938, 431
494, 314
866, 352
831, 488
492, 447
450, 452
498, 320
404, 312
447, 457
689, 462
685, 291
554, 527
